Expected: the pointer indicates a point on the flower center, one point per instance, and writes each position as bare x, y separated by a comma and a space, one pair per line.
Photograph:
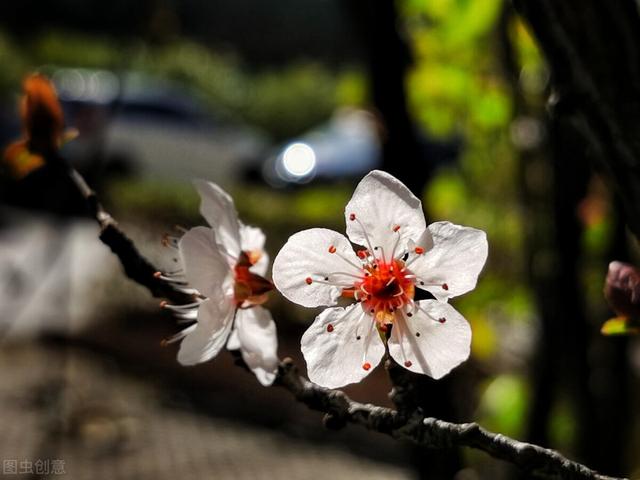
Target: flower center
249, 287
381, 281
385, 288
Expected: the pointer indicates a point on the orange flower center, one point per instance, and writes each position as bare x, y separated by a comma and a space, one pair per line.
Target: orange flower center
385, 288
249, 287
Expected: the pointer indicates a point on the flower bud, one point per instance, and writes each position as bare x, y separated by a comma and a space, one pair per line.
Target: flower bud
622, 289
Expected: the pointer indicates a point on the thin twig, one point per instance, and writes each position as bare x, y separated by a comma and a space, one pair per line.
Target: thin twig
135, 265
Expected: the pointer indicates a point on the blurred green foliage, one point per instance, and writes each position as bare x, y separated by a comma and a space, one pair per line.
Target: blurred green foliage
272, 210
456, 83
563, 428
283, 101
74, 50
457, 87
13, 66
164, 202
504, 404
621, 326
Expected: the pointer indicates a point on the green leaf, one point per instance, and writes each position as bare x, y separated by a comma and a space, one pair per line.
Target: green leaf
621, 326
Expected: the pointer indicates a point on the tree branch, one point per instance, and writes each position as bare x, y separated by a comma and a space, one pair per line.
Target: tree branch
431, 432
135, 265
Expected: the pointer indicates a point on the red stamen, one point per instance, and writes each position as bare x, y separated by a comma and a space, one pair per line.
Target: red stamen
419, 250
348, 293
366, 366
309, 280
408, 363
396, 228
442, 320
249, 286
362, 254
157, 274
445, 286
387, 289
352, 217
329, 328
332, 249
163, 303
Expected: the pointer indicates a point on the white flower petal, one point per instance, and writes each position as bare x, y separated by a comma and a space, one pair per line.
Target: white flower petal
258, 342
219, 211
215, 319
381, 203
252, 240
234, 341
261, 266
425, 241
456, 260
205, 267
188, 315
183, 333
422, 344
338, 345
306, 257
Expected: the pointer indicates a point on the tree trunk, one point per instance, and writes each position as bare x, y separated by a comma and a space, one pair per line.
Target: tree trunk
593, 50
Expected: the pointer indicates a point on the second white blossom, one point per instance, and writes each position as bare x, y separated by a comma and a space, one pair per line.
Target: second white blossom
225, 265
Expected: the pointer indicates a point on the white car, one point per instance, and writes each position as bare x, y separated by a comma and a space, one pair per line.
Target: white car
142, 125
346, 146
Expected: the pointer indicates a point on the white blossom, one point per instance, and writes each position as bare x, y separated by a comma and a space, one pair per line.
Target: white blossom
395, 254
224, 265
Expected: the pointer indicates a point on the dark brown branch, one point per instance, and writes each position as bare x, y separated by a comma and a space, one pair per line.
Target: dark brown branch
431, 432
135, 265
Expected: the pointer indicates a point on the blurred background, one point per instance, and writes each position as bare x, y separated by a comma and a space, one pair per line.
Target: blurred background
287, 105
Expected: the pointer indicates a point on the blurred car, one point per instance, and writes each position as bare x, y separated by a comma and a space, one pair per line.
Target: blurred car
142, 125
346, 146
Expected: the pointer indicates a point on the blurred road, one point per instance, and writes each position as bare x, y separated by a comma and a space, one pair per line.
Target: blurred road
60, 403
